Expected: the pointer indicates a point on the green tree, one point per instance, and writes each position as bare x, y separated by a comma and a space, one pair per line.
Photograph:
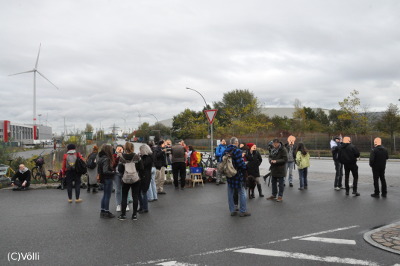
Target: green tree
352, 117
389, 123
190, 124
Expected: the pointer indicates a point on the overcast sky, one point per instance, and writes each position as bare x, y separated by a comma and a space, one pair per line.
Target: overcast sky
115, 59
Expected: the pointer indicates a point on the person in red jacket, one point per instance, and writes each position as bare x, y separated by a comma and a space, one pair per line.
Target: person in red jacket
69, 173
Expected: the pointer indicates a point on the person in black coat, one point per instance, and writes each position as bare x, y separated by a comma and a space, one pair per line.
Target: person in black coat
22, 178
147, 159
377, 160
254, 160
348, 154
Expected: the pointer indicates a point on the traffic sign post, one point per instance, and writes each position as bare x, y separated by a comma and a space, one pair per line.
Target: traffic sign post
210, 114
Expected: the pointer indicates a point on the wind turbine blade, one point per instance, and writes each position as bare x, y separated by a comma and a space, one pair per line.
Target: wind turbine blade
37, 59
22, 72
47, 79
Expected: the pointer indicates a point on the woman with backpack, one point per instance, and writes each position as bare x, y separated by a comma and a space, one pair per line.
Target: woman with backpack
132, 168
302, 162
69, 173
92, 160
147, 158
106, 176
254, 160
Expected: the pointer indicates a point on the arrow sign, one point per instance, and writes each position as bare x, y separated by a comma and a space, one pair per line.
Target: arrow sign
211, 114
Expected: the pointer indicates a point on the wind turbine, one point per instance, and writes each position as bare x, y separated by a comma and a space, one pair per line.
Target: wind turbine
35, 70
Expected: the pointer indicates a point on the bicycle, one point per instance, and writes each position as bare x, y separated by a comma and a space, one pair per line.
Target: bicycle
6, 170
207, 162
38, 171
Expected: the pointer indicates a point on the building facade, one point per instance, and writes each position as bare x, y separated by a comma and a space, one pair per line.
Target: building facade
24, 134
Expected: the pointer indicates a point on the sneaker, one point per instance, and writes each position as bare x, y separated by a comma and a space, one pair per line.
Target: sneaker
356, 194
271, 198
161, 193
69, 200
279, 199
300, 188
236, 208
375, 195
107, 215
78, 200
291, 185
337, 188
118, 208
143, 211
127, 208
233, 213
122, 217
244, 214
384, 195
134, 217
261, 195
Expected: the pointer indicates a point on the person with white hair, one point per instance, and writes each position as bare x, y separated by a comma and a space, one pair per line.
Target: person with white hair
21, 179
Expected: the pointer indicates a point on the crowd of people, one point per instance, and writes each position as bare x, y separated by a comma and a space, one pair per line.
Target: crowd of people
138, 176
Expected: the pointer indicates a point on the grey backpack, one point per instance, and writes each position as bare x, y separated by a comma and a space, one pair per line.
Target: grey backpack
130, 174
226, 167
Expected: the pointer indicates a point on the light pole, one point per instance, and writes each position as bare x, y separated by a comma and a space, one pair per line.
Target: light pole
211, 126
159, 131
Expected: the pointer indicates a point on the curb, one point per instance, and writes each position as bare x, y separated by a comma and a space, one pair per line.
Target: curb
385, 237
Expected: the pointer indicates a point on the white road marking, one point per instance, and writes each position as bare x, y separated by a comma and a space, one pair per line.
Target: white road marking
302, 256
175, 263
330, 240
328, 231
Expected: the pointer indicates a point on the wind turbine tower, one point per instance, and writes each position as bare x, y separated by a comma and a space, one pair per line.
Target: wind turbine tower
35, 70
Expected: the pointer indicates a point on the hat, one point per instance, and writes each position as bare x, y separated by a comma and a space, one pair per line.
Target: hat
346, 140
250, 145
71, 147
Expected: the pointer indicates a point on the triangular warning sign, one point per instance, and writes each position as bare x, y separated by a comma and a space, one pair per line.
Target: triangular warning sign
211, 115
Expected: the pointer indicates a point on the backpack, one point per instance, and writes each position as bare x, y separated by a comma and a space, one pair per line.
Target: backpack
80, 166
92, 162
226, 166
71, 160
130, 174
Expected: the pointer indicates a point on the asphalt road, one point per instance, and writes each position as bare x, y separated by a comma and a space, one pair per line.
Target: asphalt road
194, 227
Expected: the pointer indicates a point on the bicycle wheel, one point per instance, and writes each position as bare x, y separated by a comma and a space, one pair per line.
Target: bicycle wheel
54, 177
43, 175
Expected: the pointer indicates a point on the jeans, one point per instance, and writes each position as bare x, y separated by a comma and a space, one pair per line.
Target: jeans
179, 169
275, 181
290, 166
118, 189
152, 192
242, 198
73, 177
379, 174
143, 201
303, 177
339, 174
105, 201
353, 168
135, 188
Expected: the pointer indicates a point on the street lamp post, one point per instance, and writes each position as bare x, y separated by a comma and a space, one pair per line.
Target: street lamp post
159, 131
211, 127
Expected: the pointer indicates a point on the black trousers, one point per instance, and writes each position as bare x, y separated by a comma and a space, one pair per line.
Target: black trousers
71, 176
353, 168
179, 170
135, 187
379, 174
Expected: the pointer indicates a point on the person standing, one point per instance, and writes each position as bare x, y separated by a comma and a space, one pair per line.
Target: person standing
106, 177
348, 154
152, 192
130, 157
178, 160
147, 158
92, 159
335, 145
302, 162
21, 179
291, 151
160, 164
277, 158
377, 161
254, 160
237, 181
71, 176
219, 153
